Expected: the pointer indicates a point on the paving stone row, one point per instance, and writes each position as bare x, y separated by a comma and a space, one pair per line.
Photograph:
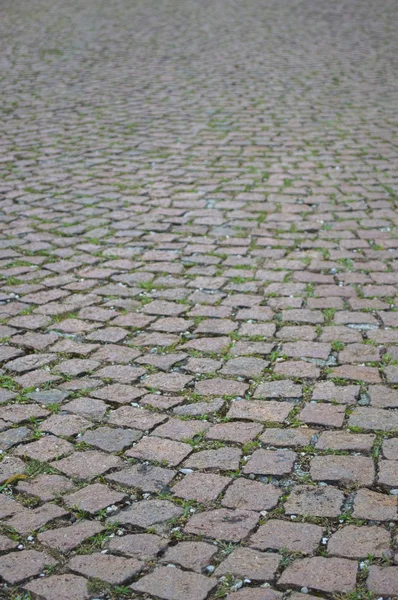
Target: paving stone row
198, 300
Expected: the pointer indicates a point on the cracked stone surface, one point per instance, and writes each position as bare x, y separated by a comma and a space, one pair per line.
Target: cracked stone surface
198, 292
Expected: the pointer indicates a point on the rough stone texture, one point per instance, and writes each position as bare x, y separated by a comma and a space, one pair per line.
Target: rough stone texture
251, 495
59, 587
383, 580
64, 539
357, 542
144, 546
146, 513
18, 566
296, 537
190, 555
318, 501
330, 575
172, 584
344, 469
223, 524
112, 569
198, 274
251, 564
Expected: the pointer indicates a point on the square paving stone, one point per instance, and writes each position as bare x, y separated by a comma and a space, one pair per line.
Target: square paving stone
220, 387
388, 473
253, 593
202, 487
317, 501
93, 498
144, 546
115, 570
331, 575
18, 566
135, 418
375, 506
343, 469
146, 513
12, 437
167, 382
145, 477
8, 506
11, 466
327, 415
45, 487
190, 555
160, 450
358, 542
300, 436
65, 539
374, 419
118, 393
390, 448
224, 459
250, 564
223, 524
278, 389
111, 439
86, 465
198, 409
383, 580
260, 410
345, 440
296, 537
251, 495
45, 449
65, 425
172, 584
28, 520
59, 587
88, 408
240, 433
6, 544
270, 462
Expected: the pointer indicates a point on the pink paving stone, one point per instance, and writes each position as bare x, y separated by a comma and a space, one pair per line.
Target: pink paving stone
260, 410
168, 382
251, 495
28, 520
18, 566
223, 524
296, 537
343, 469
45, 449
147, 513
203, 344
190, 555
148, 478
121, 373
270, 462
220, 387
300, 436
65, 539
357, 373
160, 449
30, 362
135, 418
198, 409
18, 413
238, 432
59, 587
388, 473
383, 580
202, 487
375, 506
297, 369
144, 546
327, 390
176, 429
345, 440
327, 415
251, 564
173, 584
93, 498
115, 570
278, 389
160, 401
331, 575
65, 425
86, 465
111, 439
6, 544
118, 393
45, 487
253, 593
225, 459
317, 501
358, 542
8, 506
374, 419
382, 396
390, 448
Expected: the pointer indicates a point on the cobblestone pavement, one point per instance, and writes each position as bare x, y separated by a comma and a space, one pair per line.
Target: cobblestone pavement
199, 271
